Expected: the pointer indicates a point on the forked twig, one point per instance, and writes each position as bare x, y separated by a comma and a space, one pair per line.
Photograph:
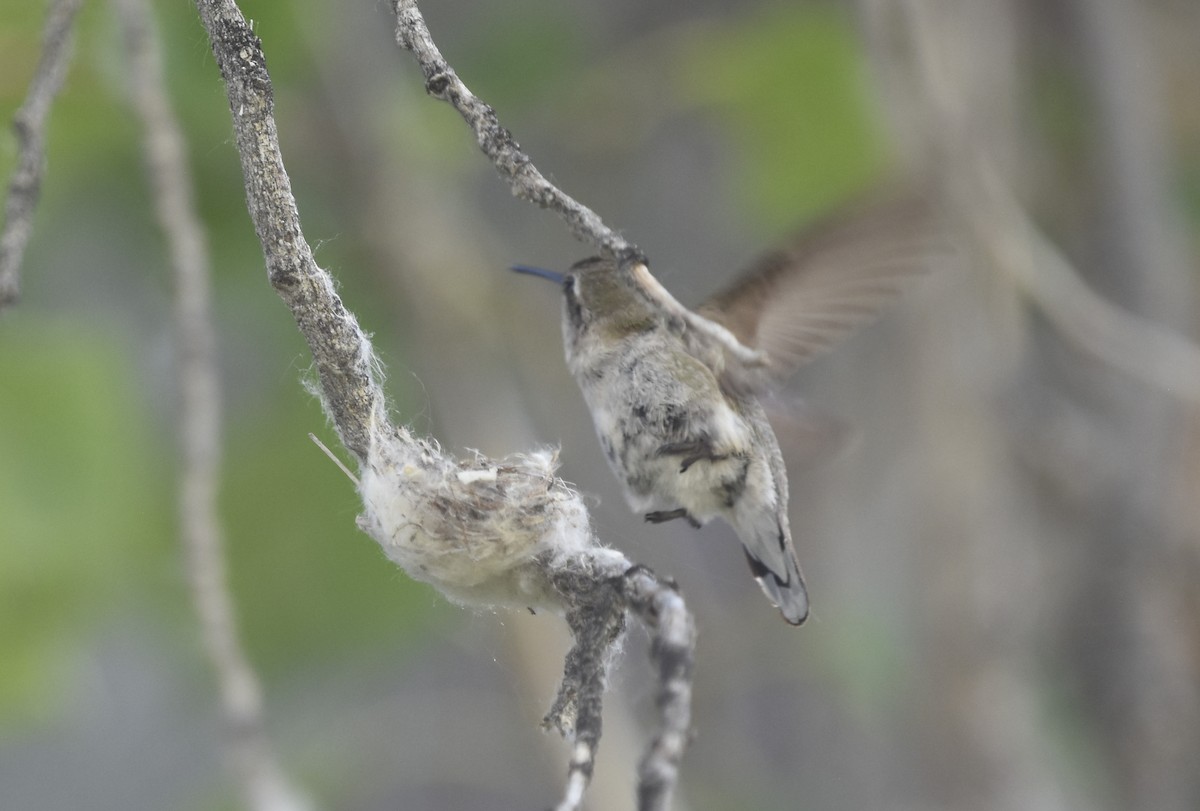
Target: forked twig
596, 623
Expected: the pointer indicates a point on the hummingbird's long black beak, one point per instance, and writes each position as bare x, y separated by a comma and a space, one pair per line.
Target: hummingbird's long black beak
552, 275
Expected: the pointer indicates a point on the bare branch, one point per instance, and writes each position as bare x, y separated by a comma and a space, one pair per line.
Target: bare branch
498, 143
29, 124
602, 594
264, 786
352, 394
597, 621
484, 531
661, 609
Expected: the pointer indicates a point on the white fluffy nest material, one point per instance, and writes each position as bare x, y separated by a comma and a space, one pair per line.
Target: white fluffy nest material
483, 531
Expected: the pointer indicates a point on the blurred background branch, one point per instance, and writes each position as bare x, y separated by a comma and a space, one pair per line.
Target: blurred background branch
29, 124
250, 754
1138, 347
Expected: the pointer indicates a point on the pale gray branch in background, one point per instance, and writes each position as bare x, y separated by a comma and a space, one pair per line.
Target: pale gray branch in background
989, 209
497, 532
1139, 347
263, 785
29, 124
498, 143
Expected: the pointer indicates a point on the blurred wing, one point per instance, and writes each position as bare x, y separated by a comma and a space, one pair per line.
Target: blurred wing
796, 302
808, 437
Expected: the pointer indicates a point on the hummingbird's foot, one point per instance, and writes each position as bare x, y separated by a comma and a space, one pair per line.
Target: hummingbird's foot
659, 516
692, 451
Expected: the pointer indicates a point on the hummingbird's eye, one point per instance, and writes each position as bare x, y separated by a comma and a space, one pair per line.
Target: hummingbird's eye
571, 294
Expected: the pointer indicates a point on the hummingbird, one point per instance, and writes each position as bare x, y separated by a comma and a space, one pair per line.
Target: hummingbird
676, 394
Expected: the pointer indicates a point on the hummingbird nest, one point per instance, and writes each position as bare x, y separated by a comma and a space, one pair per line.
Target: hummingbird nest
482, 531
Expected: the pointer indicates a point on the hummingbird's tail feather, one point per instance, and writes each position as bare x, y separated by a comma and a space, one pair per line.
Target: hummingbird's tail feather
785, 589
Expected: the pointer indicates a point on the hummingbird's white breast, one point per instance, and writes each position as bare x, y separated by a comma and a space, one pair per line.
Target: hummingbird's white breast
648, 393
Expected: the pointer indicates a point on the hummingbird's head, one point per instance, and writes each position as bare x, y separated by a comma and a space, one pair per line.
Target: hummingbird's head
601, 299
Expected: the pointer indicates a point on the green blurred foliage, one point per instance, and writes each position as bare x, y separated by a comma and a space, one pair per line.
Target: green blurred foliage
83, 504
517, 55
309, 585
1060, 110
789, 84
864, 658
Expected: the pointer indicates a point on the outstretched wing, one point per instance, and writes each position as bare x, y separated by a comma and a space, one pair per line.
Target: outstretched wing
796, 302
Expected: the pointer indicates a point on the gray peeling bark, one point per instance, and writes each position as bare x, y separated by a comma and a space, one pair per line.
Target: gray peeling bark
348, 386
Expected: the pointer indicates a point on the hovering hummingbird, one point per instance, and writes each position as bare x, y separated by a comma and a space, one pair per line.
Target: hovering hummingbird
675, 393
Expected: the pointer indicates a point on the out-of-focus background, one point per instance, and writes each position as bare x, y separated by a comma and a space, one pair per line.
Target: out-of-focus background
1003, 553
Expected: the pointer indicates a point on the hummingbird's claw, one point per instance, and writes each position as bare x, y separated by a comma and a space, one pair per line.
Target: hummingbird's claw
659, 516
693, 451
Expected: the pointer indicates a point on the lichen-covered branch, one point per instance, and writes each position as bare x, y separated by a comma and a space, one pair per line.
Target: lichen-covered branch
611, 588
498, 143
661, 609
29, 124
483, 531
597, 621
264, 786
351, 391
